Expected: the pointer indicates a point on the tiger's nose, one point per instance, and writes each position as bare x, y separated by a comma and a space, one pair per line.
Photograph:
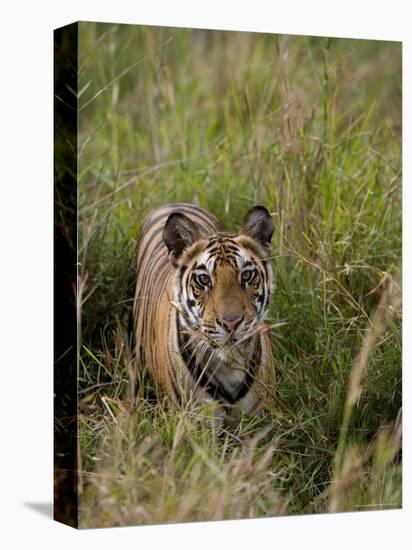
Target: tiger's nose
231, 322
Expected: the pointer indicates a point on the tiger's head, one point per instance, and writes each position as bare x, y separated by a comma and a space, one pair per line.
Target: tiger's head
222, 281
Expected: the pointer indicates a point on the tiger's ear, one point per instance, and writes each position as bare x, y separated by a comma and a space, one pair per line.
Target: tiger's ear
258, 224
179, 232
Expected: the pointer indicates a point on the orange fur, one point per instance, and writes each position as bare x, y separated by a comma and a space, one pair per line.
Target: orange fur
156, 311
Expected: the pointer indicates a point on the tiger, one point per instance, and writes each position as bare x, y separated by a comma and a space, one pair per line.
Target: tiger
201, 299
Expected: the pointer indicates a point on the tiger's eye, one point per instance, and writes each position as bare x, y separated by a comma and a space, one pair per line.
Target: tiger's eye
247, 276
203, 279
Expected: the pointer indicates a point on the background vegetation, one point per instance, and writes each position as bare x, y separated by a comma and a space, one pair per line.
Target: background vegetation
311, 128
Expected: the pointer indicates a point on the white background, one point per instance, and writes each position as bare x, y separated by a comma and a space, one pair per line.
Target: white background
26, 269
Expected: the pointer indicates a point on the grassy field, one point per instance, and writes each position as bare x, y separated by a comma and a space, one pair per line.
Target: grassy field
310, 128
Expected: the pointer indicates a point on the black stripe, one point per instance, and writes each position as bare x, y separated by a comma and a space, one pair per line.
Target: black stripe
148, 240
233, 251
140, 255
151, 266
181, 275
265, 268
218, 249
251, 371
149, 292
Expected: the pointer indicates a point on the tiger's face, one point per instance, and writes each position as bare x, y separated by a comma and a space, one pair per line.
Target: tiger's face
223, 281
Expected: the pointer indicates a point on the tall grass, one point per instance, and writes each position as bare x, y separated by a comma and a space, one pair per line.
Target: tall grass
311, 128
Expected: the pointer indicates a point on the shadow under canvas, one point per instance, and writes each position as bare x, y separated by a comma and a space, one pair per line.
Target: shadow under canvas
43, 508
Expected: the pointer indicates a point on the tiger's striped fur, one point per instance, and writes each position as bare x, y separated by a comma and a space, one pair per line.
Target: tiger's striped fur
201, 297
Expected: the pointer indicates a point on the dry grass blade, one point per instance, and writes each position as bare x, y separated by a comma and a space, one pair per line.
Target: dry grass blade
124, 72
344, 465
